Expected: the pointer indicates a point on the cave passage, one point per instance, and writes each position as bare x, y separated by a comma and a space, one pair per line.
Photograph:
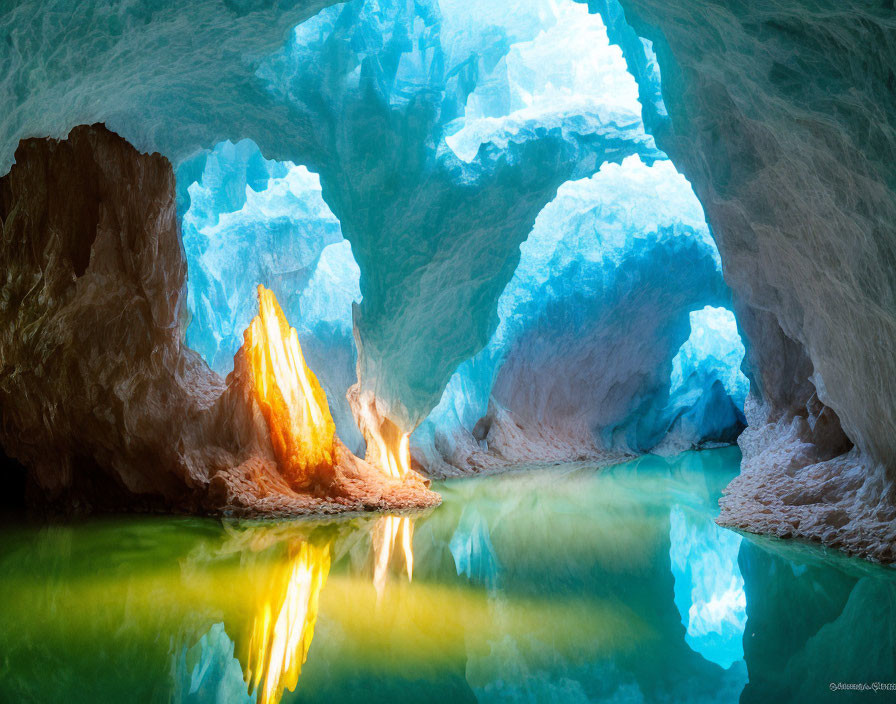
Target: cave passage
612, 334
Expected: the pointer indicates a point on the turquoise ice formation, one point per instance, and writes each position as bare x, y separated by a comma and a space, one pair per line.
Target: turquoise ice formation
436, 237
208, 672
606, 323
484, 194
707, 388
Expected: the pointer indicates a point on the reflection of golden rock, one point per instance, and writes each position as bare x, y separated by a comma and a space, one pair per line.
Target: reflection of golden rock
385, 534
284, 624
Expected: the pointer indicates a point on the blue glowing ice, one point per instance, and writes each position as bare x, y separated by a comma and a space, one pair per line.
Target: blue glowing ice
568, 77
208, 672
472, 549
593, 334
438, 140
707, 387
381, 86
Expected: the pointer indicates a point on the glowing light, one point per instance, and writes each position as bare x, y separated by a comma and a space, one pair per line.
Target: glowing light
385, 533
289, 394
388, 448
284, 626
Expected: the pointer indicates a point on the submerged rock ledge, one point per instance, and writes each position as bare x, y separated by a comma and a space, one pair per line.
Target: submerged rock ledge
101, 400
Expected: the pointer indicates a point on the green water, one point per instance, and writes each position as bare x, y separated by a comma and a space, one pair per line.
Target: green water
572, 584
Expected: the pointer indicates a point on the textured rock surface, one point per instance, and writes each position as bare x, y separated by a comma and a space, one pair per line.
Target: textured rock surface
783, 117
789, 487
100, 398
167, 76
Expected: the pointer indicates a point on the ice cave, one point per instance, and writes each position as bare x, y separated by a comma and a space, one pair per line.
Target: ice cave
435, 351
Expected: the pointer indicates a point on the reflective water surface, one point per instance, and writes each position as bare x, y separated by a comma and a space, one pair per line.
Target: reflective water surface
571, 584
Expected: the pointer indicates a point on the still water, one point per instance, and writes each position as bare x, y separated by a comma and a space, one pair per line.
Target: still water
571, 584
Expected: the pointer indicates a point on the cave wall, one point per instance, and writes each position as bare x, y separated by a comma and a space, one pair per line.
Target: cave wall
154, 71
782, 117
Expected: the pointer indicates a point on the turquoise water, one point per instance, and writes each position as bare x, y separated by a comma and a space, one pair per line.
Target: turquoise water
571, 584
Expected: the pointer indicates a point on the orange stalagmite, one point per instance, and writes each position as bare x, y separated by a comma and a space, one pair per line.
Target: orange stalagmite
388, 449
388, 445
284, 624
289, 394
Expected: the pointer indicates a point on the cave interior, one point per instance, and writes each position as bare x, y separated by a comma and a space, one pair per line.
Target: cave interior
267, 260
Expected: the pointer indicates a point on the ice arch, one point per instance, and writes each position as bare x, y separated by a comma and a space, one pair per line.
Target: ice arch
707, 389
251, 220
597, 351
407, 70
436, 238
552, 72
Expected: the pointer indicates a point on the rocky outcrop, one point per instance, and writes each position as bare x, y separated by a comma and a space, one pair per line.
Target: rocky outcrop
791, 487
783, 117
101, 399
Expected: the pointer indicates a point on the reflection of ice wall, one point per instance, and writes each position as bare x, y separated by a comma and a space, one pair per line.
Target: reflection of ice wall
251, 221
472, 549
709, 587
804, 608
208, 672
